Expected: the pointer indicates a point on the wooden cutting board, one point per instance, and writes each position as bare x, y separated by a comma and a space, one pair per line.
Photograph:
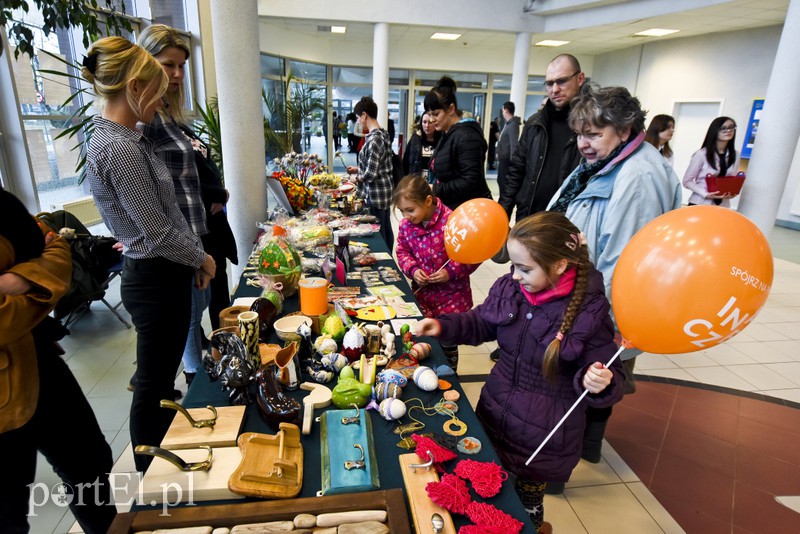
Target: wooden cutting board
182, 435
271, 466
422, 507
163, 482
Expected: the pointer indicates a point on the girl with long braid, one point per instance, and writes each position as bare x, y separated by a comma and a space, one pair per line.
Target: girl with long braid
550, 317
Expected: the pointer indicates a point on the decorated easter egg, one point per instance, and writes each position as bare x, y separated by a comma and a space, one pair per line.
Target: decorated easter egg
392, 377
325, 344
386, 390
425, 378
392, 409
420, 351
353, 345
334, 361
279, 257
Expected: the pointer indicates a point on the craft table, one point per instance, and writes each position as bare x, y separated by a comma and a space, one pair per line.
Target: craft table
204, 392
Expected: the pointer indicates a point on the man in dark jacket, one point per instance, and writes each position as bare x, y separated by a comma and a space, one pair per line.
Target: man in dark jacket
507, 143
547, 151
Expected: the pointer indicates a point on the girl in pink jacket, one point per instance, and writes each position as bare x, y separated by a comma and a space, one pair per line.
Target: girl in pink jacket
421, 254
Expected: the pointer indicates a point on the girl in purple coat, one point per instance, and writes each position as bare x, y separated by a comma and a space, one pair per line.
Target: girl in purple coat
421, 255
550, 317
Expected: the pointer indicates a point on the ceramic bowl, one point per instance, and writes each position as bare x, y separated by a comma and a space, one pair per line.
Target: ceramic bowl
286, 327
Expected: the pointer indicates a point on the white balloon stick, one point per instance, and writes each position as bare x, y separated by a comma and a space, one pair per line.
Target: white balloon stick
572, 408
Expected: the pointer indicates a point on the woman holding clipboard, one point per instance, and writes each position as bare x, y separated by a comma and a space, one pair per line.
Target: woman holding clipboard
717, 157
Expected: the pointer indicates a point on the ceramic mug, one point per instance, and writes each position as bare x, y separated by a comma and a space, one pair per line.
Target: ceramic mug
313, 296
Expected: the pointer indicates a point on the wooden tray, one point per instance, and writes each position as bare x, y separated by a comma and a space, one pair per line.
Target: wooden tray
163, 482
182, 435
271, 466
422, 507
227, 515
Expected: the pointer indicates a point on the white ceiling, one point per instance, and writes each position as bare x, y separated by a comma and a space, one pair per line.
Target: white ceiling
575, 20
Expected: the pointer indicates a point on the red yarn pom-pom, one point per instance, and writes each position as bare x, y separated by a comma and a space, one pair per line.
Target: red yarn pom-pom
450, 493
480, 529
425, 444
486, 515
486, 477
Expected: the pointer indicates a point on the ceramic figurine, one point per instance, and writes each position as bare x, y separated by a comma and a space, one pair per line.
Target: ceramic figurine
234, 371
334, 362
273, 405
287, 366
325, 344
349, 391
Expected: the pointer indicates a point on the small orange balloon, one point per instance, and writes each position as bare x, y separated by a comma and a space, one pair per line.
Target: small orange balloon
475, 231
691, 279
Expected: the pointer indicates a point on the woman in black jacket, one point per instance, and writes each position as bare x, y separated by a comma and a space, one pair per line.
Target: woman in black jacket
458, 162
421, 144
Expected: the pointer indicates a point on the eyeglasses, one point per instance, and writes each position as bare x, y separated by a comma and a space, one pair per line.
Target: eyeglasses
561, 82
727, 129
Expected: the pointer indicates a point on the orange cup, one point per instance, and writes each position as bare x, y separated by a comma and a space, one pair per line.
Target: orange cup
313, 296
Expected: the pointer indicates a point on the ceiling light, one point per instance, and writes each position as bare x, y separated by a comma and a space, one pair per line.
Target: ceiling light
655, 32
551, 43
445, 36
338, 29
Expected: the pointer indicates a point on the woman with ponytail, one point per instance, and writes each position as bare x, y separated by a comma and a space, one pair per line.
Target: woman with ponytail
550, 318
134, 192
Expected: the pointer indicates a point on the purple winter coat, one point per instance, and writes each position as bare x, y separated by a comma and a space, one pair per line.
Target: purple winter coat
518, 407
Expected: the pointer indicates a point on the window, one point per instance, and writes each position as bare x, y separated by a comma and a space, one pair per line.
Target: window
271, 65
169, 12
464, 80
310, 72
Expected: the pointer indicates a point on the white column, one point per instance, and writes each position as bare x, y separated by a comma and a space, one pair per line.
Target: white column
519, 76
236, 47
778, 131
380, 71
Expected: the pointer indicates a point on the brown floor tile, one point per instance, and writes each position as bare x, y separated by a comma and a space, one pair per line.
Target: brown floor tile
691, 516
771, 414
697, 485
712, 400
703, 417
758, 511
698, 448
638, 426
767, 473
654, 401
770, 440
740, 530
639, 458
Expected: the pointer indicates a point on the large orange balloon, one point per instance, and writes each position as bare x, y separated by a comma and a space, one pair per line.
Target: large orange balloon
691, 279
475, 231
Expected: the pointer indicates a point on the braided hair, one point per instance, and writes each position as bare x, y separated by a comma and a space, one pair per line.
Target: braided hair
550, 238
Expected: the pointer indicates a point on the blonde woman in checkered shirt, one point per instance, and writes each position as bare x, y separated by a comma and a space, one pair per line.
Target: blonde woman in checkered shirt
136, 197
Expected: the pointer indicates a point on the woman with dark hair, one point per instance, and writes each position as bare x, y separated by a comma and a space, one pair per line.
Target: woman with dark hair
659, 134
421, 144
458, 161
718, 157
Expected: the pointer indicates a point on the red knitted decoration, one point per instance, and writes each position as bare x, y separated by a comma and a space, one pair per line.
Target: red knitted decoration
450, 493
480, 529
486, 477
425, 444
486, 515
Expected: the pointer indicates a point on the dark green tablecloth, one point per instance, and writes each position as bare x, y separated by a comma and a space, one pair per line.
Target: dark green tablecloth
203, 392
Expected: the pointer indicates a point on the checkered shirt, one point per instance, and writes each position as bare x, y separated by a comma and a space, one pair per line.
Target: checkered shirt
375, 168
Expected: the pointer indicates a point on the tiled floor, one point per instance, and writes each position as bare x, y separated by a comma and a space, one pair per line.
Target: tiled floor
678, 458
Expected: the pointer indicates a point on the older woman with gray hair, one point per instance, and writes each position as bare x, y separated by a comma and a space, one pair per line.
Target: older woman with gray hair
620, 185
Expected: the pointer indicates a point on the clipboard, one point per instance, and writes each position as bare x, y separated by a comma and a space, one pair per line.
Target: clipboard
725, 184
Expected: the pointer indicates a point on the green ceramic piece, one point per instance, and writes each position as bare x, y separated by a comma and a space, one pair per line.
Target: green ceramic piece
349, 391
334, 327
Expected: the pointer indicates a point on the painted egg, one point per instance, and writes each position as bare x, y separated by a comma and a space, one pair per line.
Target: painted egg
386, 390
334, 361
392, 409
325, 344
420, 351
392, 377
425, 379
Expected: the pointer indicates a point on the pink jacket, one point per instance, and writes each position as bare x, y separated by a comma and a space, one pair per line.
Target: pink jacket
422, 247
